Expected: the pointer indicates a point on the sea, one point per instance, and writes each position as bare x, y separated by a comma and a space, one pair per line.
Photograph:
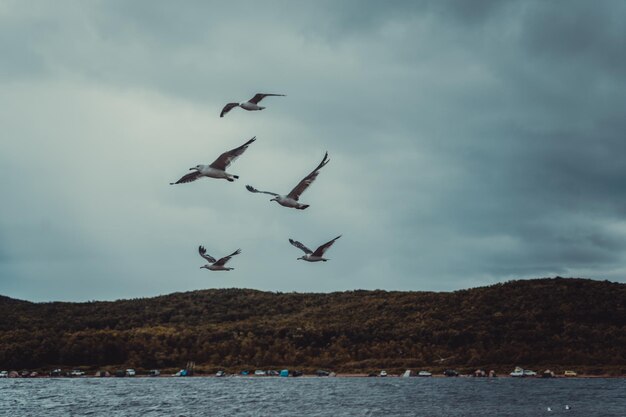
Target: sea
312, 396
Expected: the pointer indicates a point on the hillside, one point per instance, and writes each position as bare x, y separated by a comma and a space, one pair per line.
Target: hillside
546, 322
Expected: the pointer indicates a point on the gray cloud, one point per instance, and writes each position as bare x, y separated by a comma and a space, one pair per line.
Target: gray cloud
470, 143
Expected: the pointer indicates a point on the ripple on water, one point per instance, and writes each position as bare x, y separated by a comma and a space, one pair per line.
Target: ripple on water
155, 397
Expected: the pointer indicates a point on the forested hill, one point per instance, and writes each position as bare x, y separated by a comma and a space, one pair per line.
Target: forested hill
546, 322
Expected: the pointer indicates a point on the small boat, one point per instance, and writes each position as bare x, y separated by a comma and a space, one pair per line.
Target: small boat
408, 373
284, 373
450, 372
517, 372
383, 373
154, 372
220, 374
259, 372
424, 373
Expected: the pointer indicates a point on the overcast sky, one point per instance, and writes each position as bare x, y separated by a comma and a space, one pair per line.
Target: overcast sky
470, 142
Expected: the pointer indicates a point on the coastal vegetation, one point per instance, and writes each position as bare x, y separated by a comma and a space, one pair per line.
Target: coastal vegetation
557, 323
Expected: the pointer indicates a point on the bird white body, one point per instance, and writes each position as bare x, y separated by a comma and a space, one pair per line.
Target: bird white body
289, 202
250, 106
208, 171
216, 267
311, 258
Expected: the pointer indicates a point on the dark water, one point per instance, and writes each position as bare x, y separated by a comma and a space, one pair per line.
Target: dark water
312, 396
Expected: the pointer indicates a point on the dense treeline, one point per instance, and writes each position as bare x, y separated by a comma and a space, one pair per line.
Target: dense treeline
546, 322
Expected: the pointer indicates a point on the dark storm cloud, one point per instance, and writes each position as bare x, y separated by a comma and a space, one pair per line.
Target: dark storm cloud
589, 34
470, 142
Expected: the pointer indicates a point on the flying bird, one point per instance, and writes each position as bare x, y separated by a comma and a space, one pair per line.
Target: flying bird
218, 265
252, 104
311, 256
291, 199
218, 168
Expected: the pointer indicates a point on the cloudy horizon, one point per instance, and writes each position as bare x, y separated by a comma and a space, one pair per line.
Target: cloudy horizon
470, 143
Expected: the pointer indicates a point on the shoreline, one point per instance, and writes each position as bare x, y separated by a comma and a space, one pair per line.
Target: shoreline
339, 375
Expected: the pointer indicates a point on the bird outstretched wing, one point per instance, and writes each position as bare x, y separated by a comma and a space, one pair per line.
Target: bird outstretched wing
260, 96
300, 246
206, 256
228, 108
254, 190
320, 251
228, 157
222, 261
192, 176
308, 180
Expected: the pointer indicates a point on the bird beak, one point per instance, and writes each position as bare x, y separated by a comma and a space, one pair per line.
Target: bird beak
191, 169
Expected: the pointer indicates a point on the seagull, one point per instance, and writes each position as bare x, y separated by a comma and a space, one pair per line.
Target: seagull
218, 168
218, 265
252, 104
291, 199
311, 256
567, 407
